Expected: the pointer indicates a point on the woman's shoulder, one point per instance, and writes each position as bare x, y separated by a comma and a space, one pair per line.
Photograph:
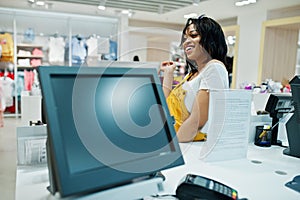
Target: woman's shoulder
215, 70
215, 63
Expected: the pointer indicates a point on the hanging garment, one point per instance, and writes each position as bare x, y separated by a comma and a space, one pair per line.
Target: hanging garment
7, 45
29, 35
92, 46
79, 50
113, 51
103, 45
56, 50
28, 80
7, 85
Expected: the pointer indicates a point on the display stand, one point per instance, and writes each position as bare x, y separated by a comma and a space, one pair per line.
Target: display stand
136, 190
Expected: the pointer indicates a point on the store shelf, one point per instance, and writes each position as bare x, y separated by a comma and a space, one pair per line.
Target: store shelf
25, 67
32, 56
17, 22
29, 45
26, 55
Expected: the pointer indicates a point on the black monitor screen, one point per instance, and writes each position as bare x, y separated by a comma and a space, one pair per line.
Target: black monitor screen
106, 126
295, 86
293, 124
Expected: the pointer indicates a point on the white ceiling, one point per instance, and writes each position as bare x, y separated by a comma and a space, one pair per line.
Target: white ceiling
218, 9
152, 6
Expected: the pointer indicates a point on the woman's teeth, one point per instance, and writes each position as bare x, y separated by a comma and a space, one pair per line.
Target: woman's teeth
188, 48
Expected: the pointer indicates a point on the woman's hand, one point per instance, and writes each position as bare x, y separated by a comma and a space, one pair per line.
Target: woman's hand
167, 67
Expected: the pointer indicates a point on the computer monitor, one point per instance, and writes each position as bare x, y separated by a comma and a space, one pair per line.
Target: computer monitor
293, 125
106, 127
113, 63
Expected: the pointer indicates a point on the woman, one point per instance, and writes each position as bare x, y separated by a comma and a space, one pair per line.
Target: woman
204, 44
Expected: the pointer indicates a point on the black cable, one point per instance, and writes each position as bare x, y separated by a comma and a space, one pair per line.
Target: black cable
174, 196
164, 196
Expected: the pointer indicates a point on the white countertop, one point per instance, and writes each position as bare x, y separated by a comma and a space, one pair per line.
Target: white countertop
261, 175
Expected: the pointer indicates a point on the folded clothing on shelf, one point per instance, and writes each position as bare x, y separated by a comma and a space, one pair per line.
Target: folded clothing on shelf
24, 62
24, 53
37, 52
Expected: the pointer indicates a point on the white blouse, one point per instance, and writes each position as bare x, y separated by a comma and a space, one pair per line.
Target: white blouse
213, 76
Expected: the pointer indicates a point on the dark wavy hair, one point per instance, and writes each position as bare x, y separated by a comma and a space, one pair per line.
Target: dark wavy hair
212, 39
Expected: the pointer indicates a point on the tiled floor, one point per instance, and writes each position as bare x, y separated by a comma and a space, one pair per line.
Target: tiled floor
8, 158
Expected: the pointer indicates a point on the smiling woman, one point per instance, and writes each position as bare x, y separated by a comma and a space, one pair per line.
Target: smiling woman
205, 48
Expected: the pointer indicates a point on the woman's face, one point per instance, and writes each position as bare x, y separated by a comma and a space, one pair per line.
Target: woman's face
191, 44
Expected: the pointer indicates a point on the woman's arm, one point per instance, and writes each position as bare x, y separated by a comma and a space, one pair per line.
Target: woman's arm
197, 118
216, 77
168, 69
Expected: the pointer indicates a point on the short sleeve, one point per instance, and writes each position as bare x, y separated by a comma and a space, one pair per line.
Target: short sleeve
214, 76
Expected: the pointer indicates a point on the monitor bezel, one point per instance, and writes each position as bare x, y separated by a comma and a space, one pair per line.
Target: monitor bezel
293, 124
295, 87
77, 184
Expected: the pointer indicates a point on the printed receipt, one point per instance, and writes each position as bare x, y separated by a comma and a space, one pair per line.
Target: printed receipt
228, 125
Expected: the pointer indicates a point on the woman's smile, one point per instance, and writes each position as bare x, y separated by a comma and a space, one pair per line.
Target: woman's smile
189, 49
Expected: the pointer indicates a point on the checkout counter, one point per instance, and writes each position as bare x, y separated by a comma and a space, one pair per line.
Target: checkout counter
262, 174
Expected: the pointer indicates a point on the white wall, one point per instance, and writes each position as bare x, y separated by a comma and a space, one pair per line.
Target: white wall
137, 46
123, 36
151, 44
249, 46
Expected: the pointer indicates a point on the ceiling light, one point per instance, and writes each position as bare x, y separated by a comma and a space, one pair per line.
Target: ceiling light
245, 2
127, 12
101, 7
239, 3
40, 3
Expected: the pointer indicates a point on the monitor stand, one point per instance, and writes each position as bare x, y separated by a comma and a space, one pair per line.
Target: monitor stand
135, 190
274, 137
